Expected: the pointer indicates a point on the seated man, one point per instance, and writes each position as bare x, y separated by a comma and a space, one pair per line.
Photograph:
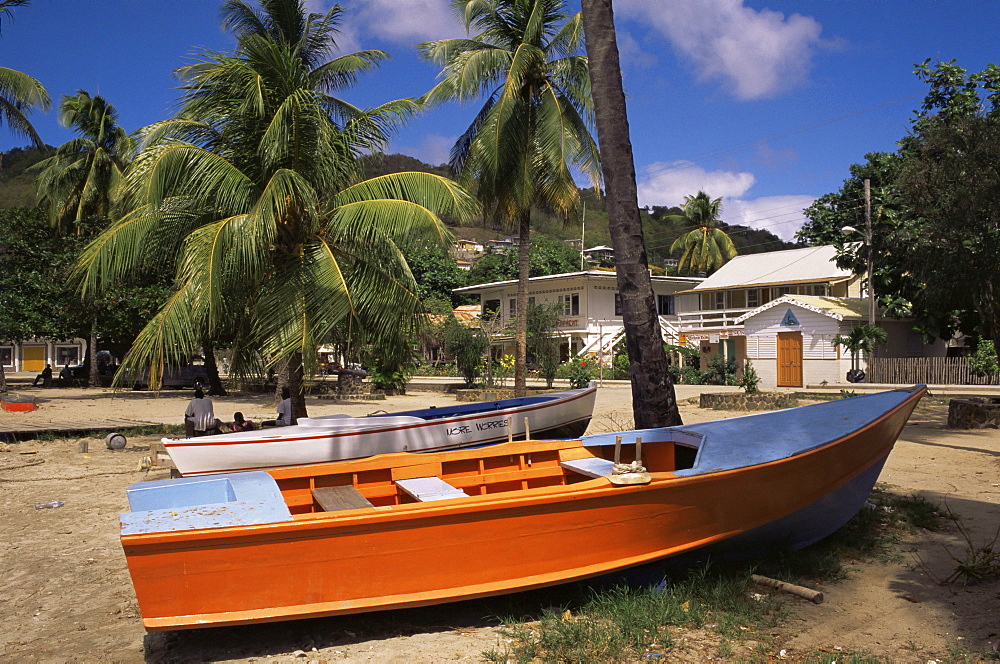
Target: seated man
45, 377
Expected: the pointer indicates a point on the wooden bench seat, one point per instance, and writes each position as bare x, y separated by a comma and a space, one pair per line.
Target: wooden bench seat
591, 467
336, 498
429, 488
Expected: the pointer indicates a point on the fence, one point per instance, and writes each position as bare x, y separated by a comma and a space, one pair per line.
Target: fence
930, 370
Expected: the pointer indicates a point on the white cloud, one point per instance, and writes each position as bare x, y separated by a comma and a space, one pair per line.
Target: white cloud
668, 183
756, 54
782, 215
433, 149
407, 21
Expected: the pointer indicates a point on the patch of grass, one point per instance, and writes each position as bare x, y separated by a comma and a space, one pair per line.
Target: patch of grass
626, 622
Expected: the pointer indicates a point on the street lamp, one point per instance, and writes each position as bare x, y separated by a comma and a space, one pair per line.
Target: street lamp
870, 250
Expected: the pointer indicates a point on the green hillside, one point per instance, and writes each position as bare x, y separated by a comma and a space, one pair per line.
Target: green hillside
17, 189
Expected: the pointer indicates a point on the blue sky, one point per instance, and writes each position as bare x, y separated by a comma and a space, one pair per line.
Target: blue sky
765, 103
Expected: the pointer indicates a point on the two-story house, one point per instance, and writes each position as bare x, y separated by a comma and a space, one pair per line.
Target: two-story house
782, 310
592, 322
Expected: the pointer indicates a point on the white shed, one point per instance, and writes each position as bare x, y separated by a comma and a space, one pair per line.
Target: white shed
790, 340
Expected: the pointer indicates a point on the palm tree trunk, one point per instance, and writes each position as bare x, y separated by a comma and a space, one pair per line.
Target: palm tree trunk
654, 403
296, 374
3, 380
215, 386
94, 375
521, 323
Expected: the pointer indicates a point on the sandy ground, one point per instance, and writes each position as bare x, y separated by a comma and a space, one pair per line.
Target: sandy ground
67, 596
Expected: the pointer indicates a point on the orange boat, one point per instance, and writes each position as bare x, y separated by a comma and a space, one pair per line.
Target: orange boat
403, 530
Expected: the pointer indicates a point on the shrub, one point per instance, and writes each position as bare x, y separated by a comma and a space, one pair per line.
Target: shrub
750, 380
579, 371
468, 346
984, 361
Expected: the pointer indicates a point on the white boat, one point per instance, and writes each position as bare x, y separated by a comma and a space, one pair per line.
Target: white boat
339, 437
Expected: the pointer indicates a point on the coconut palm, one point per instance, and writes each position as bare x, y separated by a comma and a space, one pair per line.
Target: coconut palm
861, 339
79, 181
707, 247
654, 402
20, 93
254, 188
534, 124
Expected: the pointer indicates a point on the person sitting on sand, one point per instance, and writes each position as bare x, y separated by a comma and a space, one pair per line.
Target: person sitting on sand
45, 377
201, 414
284, 411
241, 424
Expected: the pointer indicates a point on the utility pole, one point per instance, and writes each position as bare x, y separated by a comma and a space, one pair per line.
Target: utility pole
871, 252
583, 225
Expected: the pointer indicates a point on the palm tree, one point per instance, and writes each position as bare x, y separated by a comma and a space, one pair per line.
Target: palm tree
79, 181
707, 247
254, 188
861, 339
533, 126
654, 402
20, 93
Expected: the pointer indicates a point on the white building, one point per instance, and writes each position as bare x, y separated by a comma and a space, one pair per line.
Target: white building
591, 323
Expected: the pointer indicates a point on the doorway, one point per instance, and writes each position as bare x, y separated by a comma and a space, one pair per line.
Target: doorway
789, 359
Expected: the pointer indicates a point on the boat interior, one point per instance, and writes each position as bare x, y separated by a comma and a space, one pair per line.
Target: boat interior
402, 479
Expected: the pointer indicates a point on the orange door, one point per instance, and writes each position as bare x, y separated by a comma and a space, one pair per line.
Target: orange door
789, 359
33, 358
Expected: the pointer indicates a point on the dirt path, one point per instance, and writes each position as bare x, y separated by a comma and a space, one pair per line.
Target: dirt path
67, 595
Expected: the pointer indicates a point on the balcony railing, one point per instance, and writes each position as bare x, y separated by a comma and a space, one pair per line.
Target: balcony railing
689, 321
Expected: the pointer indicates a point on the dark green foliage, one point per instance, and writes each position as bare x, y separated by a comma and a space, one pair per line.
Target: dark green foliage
468, 346
35, 300
17, 188
436, 273
547, 257
578, 370
543, 345
935, 209
984, 361
749, 381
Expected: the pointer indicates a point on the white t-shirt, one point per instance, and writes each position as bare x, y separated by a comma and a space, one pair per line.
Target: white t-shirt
284, 413
200, 411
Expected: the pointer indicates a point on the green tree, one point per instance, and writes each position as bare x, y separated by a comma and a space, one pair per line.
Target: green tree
256, 182
707, 247
935, 234
545, 257
36, 302
861, 339
654, 402
532, 128
543, 344
468, 346
951, 186
435, 272
80, 180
